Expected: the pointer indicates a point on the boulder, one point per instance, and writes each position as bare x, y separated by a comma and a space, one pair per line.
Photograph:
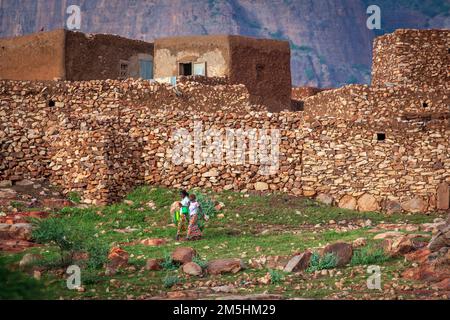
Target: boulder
56, 203
298, 262
392, 206
21, 231
398, 246
192, 269
183, 255
343, 252
5, 183
415, 205
24, 183
441, 239
347, 202
118, 258
153, 242
225, 266
443, 196
360, 242
261, 186
325, 198
7, 194
153, 265
29, 259
367, 202
388, 234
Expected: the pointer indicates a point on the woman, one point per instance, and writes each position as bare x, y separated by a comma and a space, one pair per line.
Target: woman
194, 232
181, 215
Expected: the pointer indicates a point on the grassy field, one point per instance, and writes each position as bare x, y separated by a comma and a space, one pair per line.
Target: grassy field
252, 226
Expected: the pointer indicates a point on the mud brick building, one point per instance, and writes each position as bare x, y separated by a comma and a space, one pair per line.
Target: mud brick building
74, 56
262, 65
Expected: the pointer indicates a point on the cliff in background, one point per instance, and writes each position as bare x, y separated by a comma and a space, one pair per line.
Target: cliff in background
330, 43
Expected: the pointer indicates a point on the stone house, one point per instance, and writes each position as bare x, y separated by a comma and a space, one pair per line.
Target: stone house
74, 56
262, 65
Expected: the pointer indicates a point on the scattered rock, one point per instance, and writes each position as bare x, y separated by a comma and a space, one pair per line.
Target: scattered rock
220, 266
360, 242
192, 269
5, 183
56, 203
24, 183
29, 259
298, 262
153, 264
398, 246
389, 234
440, 239
7, 194
224, 289
343, 252
21, 231
183, 255
118, 258
153, 242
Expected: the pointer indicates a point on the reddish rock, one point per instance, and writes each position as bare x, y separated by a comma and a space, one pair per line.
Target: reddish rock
391, 206
192, 269
368, 202
443, 196
398, 246
298, 262
153, 265
183, 255
419, 256
153, 242
225, 266
56, 203
118, 258
443, 285
343, 252
415, 205
347, 202
431, 272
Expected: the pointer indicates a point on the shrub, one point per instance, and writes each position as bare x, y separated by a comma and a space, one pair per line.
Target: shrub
328, 261
70, 239
15, 285
368, 255
74, 197
167, 263
275, 276
170, 281
207, 204
202, 263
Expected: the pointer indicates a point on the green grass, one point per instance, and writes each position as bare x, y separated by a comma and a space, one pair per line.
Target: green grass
252, 226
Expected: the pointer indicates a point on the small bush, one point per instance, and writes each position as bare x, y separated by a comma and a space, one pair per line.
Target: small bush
74, 197
168, 263
368, 255
207, 208
98, 254
275, 276
15, 285
202, 263
170, 281
328, 261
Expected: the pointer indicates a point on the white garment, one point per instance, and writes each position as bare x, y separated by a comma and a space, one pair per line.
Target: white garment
193, 208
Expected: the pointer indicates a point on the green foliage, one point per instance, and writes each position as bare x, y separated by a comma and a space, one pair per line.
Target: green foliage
276, 276
169, 281
202, 263
167, 263
207, 205
368, 255
74, 197
17, 204
70, 238
328, 261
15, 285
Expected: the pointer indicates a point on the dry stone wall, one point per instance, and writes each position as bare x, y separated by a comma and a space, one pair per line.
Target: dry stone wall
412, 57
101, 138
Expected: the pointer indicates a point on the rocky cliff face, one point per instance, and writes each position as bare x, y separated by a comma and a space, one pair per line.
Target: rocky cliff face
330, 42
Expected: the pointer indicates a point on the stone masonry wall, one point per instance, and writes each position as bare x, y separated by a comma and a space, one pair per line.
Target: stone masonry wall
412, 57
101, 138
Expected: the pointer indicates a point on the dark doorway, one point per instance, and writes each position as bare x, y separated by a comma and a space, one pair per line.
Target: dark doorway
185, 69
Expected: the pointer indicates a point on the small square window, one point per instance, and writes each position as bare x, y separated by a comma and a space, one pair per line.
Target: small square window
185, 69
381, 136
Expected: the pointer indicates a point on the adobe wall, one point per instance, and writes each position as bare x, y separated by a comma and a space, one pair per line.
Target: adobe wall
97, 57
214, 50
39, 56
115, 135
264, 67
412, 57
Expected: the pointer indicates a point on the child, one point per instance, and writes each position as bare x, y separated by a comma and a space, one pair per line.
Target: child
194, 232
183, 213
